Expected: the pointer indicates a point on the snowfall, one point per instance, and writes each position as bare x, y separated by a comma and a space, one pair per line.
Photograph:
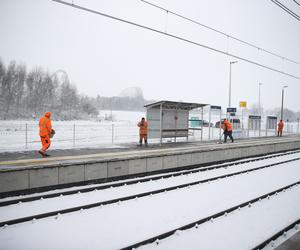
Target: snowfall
22, 135
124, 223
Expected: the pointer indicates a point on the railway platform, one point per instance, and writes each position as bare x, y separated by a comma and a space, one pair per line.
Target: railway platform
292, 243
28, 172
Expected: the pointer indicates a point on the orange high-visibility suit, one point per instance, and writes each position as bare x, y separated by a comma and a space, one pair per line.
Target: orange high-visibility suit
45, 132
227, 130
143, 125
227, 125
280, 128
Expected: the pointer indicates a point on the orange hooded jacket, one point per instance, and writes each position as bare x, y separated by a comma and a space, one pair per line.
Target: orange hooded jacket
280, 126
45, 125
227, 125
143, 127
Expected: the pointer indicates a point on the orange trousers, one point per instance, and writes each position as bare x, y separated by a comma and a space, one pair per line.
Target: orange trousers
45, 143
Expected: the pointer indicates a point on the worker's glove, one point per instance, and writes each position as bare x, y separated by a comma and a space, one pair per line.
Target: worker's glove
52, 133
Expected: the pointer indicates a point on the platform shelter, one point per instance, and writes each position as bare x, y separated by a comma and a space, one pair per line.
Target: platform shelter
169, 119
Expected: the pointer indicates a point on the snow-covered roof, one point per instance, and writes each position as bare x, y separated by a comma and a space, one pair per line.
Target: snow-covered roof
175, 105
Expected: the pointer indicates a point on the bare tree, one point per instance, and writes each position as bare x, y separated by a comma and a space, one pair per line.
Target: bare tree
35, 92
2, 74
19, 92
9, 87
86, 104
69, 100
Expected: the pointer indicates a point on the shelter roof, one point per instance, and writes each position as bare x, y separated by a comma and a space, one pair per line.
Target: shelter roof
175, 105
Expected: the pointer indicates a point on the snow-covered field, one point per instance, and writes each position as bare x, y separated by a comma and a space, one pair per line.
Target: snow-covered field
121, 224
22, 135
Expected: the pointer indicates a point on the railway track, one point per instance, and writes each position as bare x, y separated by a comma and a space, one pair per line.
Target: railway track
140, 180
282, 232
137, 195
156, 239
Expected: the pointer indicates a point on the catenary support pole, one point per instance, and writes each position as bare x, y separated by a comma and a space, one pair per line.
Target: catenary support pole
201, 124
73, 134
26, 135
220, 132
112, 133
209, 121
160, 124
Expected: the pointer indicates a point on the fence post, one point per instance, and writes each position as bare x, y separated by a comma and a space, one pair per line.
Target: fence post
26, 136
242, 122
112, 133
248, 128
259, 127
201, 124
73, 134
209, 121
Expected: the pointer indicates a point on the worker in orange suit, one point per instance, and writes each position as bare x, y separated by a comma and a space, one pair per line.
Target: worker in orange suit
280, 128
45, 133
143, 125
227, 130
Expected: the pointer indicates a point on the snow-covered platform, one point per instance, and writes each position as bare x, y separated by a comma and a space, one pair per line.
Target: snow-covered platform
291, 243
27, 171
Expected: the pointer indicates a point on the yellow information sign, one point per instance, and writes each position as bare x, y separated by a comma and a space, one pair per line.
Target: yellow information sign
243, 104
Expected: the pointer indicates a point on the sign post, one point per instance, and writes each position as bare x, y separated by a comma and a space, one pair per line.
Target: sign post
218, 108
243, 105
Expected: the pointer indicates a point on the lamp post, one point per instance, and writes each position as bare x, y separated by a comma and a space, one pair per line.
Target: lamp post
229, 102
259, 108
282, 97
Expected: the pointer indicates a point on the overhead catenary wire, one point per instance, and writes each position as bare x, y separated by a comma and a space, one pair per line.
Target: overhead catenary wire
220, 32
176, 37
286, 9
297, 2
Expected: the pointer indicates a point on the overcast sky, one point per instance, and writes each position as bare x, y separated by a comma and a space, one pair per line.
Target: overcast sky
103, 56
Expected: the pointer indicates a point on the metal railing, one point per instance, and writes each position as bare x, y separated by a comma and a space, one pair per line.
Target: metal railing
20, 135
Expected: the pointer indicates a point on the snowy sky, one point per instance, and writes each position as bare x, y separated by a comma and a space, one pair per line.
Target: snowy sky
103, 56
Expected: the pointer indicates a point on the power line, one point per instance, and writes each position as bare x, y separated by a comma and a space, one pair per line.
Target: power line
293, 14
175, 37
297, 2
220, 32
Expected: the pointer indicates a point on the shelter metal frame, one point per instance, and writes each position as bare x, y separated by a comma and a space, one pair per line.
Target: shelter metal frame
269, 121
165, 105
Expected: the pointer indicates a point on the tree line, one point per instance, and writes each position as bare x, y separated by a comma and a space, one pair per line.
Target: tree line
289, 115
29, 94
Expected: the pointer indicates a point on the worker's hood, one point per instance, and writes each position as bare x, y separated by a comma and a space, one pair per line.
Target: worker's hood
48, 114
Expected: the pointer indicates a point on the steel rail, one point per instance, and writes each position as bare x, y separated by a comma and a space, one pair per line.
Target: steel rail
130, 197
275, 236
176, 37
203, 220
136, 181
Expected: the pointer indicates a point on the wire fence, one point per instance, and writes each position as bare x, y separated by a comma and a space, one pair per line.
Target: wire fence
25, 135
20, 135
